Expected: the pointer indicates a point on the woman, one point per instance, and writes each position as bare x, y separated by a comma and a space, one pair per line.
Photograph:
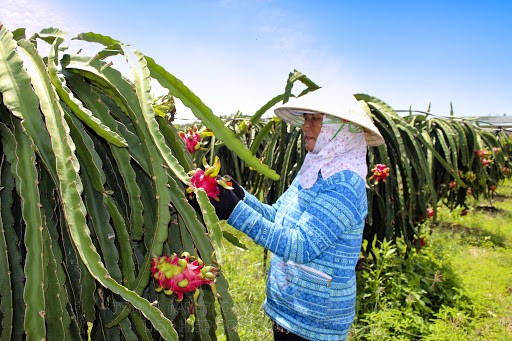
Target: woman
314, 230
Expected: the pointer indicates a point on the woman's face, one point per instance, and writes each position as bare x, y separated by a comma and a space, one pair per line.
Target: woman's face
311, 128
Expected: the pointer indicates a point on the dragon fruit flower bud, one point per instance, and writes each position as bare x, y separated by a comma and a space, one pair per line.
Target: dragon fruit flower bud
470, 176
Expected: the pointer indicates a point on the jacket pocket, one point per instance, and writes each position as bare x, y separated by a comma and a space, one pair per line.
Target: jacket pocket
303, 289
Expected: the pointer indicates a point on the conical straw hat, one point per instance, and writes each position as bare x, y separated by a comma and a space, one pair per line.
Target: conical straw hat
345, 107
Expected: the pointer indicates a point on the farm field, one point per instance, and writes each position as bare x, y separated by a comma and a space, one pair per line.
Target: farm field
119, 199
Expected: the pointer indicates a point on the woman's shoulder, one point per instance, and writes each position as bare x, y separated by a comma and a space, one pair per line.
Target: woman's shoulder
346, 178
347, 190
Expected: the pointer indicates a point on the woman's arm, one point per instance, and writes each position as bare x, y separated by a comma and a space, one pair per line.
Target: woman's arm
267, 211
340, 206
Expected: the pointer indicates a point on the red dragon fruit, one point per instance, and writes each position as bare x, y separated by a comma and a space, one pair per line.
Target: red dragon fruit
485, 156
192, 138
208, 179
452, 185
181, 275
430, 212
485, 162
482, 153
421, 242
380, 173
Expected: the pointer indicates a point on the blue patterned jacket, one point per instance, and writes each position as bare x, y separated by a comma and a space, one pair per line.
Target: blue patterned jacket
315, 236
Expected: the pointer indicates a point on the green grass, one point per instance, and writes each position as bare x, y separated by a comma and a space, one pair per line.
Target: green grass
245, 272
477, 245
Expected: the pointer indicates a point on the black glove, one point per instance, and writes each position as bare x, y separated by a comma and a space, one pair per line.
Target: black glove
226, 204
237, 189
192, 200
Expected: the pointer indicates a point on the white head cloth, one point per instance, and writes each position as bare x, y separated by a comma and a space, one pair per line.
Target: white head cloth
339, 146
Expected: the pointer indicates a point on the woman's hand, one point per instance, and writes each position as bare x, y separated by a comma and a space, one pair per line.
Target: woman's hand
226, 203
227, 199
237, 189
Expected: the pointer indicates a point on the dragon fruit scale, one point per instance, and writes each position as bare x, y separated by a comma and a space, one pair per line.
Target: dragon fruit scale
181, 275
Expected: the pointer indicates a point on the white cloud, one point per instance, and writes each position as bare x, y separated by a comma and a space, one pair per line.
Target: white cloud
34, 15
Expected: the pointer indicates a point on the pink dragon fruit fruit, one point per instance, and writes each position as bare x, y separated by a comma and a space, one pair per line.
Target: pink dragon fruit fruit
486, 162
380, 173
181, 275
452, 185
430, 212
193, 138
421, 242
482, 153
208, 179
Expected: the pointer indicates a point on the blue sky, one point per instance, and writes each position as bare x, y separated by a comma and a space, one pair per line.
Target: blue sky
236, 55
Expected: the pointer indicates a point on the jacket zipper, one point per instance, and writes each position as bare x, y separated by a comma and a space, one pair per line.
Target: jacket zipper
312, 270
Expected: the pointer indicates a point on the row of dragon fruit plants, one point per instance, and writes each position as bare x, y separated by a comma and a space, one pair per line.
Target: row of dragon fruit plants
426, 162
97, 237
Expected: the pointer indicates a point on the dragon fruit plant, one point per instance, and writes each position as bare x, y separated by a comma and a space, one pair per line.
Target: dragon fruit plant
208, 179
181, 275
